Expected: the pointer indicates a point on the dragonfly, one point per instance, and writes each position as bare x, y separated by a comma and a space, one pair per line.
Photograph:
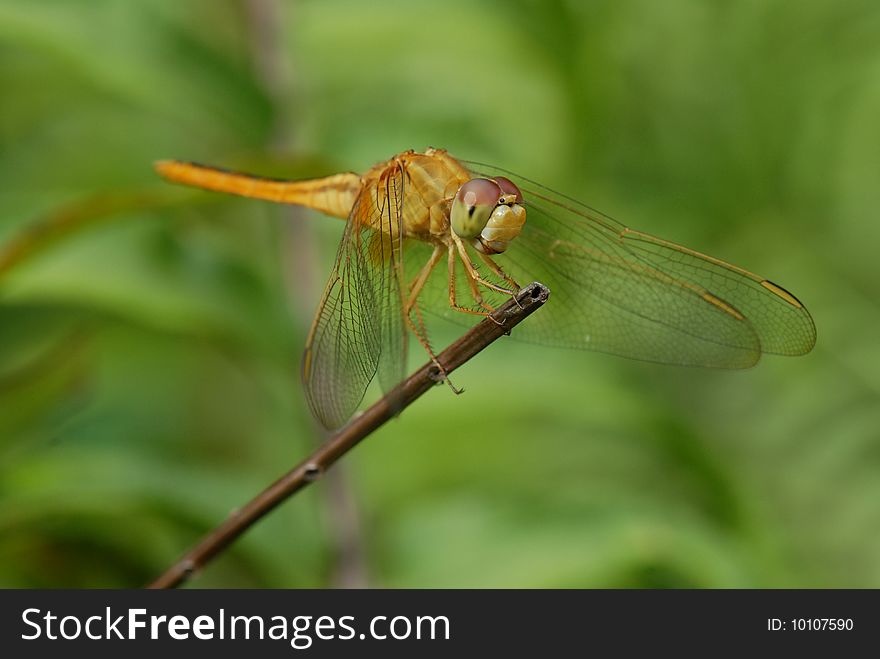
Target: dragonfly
430, 232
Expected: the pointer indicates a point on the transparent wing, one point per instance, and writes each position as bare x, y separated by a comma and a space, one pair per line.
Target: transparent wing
358, 329
625, 292
386, 256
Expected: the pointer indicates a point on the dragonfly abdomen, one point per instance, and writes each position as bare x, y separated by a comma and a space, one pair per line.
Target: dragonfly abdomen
334, 195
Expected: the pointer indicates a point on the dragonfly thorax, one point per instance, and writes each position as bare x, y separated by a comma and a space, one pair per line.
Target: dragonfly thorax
488, 213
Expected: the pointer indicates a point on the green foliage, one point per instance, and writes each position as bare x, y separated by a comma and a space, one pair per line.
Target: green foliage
150, 336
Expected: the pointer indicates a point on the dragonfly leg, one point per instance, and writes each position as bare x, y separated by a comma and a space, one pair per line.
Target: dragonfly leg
475, 292
472, 270
453, 302
419, 282
417, 325
472, 277
494, 267
418, 328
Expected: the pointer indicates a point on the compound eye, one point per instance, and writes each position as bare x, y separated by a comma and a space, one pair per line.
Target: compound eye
480, 192
508, 187
473, 206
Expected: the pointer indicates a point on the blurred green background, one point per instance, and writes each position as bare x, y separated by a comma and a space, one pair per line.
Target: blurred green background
150, 336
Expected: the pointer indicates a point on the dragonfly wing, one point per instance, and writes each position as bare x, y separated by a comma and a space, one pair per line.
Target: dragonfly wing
783, 324
628, 293
385, 252
358, 328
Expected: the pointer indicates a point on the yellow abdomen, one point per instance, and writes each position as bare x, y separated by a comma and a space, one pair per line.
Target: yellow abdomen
334, 195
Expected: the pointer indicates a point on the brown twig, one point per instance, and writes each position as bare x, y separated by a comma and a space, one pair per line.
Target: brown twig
474, 341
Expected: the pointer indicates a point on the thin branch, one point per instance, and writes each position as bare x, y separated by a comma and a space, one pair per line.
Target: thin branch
474, 341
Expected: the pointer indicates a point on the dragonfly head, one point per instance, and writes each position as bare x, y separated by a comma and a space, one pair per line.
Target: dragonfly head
489, 213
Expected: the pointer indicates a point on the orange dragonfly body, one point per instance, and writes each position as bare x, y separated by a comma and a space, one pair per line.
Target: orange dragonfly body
614, 289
